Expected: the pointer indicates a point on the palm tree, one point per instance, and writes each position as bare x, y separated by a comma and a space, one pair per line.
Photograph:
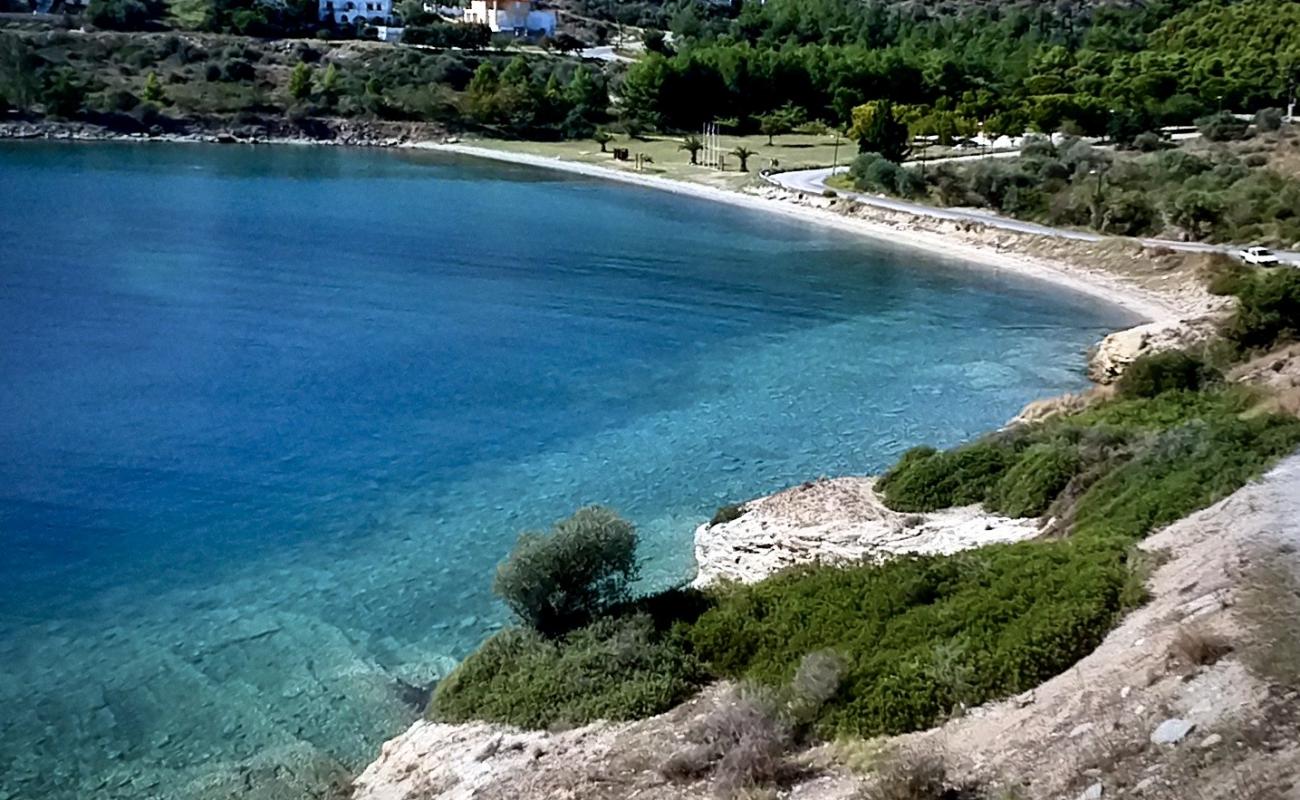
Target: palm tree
602, 138
694, 146
743, 153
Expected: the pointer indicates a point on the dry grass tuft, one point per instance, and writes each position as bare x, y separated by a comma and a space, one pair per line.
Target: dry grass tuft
914, 774
743, 740
1195, 647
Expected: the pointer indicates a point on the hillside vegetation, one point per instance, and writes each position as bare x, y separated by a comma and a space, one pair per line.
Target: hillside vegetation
138, 81
1237, 191
919, 637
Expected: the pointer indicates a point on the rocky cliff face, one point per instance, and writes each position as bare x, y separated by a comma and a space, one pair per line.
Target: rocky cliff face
1122, 348
836, 521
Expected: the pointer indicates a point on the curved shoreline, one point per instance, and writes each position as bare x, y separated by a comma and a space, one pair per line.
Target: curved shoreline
1152, 306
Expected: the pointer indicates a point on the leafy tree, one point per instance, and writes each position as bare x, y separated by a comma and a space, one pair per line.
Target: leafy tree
329, 84
693, 145
565, 43
560, 581
779, 122
655, 42
602, 138
877, 129
743, 153
1195, 212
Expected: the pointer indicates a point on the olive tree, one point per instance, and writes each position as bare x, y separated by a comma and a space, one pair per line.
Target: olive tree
560, 581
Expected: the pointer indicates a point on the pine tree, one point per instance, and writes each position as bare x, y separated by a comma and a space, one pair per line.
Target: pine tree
300, 81
153, 92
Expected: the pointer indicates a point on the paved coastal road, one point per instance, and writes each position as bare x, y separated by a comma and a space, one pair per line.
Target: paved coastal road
813, 181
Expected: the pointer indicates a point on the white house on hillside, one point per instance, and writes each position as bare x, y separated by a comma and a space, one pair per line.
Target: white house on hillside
348, 12
519, 17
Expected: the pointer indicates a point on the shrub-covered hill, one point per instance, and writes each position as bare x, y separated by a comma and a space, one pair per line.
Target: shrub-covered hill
918, 636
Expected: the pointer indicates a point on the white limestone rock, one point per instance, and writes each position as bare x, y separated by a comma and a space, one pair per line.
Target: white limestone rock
838, 520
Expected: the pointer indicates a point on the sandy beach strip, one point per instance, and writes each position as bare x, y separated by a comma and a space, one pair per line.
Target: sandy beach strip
1093, 282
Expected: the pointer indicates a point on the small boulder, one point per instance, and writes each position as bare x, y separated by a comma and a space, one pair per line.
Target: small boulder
1093, 792
1213, 740
1171, 731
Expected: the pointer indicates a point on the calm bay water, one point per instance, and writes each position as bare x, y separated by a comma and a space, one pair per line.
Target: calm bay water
269, 418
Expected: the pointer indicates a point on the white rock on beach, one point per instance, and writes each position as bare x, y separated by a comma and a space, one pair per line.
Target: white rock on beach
838, 520
1122, 348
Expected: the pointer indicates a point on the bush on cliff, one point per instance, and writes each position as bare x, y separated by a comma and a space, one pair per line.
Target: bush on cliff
1268, 310
618, 668
561, 581
1029, 487
1157, 373
921, 635
926, 480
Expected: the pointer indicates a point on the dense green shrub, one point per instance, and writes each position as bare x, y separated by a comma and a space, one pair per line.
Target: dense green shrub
1187, 467
1268, 119
1222, 127
925, 480
612, 669
921, 635
1268, 310
563, 580
1030, 486
1157, 373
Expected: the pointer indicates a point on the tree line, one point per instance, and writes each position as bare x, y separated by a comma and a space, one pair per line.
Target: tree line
1091, 69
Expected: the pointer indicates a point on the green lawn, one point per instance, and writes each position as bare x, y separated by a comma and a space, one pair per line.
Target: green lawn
793, 151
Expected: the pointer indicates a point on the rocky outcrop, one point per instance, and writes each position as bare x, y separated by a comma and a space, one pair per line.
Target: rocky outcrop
1070, 403
835, 521
459, 762
1279, 373
1108, 362
601, 761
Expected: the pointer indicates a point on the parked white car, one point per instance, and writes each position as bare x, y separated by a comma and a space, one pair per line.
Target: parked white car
1260, 256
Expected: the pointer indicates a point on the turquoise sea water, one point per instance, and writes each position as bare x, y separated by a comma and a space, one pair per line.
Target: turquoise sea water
269, 417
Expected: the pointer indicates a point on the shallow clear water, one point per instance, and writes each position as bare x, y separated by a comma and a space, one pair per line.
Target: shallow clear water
270, 416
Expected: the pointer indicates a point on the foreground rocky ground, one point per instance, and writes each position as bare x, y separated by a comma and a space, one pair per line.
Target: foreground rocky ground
1194, 695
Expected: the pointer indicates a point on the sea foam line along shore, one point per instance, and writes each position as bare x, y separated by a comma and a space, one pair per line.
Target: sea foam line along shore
1093, 282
